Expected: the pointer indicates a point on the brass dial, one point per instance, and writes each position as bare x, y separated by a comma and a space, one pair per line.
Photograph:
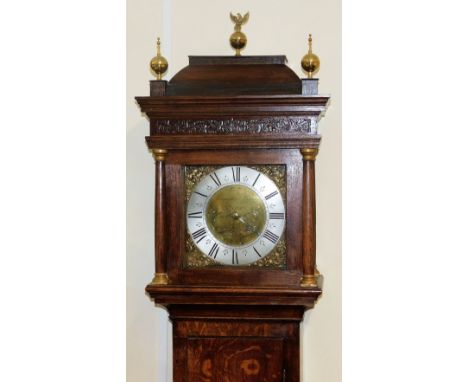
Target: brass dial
236, 215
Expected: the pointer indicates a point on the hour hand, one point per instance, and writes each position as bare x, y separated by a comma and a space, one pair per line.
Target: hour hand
249, 226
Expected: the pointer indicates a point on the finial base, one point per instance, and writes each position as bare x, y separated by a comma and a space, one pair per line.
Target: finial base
309, 86
157, 88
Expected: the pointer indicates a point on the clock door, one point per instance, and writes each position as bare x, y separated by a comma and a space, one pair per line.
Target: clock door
233, 217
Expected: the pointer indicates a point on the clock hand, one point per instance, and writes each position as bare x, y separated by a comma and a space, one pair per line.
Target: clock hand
249, 226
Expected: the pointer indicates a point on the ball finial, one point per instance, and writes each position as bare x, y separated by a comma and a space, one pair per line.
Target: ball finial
158, 63
310, 62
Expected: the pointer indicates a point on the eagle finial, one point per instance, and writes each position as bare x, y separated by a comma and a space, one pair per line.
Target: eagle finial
238, 39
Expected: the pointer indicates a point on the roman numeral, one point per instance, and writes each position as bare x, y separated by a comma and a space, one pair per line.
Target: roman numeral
236, 174
269, 196
271, 236
214, 251
255, 181
200, 234
195, 215
255, 249
276, 215
215, 179
235, 259
199, 193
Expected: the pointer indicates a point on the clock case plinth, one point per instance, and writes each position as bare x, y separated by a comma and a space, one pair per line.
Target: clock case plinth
238, 321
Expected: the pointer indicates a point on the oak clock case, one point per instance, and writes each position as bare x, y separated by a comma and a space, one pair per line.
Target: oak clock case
235, 214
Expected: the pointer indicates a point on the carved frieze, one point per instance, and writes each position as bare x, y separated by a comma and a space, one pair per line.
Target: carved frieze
235, 126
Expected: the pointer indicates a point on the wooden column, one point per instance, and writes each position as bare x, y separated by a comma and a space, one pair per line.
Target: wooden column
308, 218
160, 276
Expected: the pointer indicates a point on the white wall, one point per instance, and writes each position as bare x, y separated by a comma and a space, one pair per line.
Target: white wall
203, 27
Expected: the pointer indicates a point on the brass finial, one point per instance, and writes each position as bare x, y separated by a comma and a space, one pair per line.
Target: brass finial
238, 39
310, 62
159, 63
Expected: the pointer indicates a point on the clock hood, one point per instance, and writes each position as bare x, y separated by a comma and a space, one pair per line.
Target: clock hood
227, 75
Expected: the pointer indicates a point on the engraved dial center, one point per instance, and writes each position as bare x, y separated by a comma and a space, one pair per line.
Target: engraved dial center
236, 215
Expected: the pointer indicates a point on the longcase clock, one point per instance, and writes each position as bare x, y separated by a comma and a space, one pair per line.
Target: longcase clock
234, 141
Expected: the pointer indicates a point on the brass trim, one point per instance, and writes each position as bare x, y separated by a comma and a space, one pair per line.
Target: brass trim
309, 154
308, 281
160, 279
159, 154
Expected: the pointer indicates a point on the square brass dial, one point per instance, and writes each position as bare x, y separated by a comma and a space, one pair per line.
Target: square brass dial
193, 257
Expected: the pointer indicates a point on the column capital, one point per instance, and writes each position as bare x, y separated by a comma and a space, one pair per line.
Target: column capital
159, 154
309, 154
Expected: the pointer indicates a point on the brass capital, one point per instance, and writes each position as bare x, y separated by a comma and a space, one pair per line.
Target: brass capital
160, 279
308, 281
159, 154
309, 154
